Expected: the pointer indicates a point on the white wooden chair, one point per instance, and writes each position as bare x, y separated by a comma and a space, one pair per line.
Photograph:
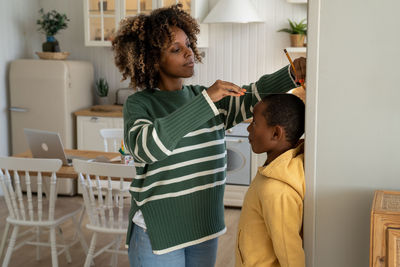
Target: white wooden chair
36, 212
106, 205
112, 138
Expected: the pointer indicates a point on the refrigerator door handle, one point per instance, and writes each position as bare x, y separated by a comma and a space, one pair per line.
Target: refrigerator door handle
17, 109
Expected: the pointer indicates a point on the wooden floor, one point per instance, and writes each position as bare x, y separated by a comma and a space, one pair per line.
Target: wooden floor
26, 256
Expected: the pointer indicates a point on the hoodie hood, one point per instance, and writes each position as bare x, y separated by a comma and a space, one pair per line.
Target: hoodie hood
288, 168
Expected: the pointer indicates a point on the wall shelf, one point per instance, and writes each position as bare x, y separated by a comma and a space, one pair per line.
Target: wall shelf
298, 50
297, 1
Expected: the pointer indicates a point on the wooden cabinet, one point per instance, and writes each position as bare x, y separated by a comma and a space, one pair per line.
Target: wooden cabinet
393, 256
385, 229
102, 17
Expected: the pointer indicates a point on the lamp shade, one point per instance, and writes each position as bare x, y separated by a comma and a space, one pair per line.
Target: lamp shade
233, 11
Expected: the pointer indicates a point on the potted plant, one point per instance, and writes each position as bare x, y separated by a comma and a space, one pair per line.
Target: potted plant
50, 24
102, 91
297, 31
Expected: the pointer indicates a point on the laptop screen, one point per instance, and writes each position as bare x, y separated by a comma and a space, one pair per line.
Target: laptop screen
44, 144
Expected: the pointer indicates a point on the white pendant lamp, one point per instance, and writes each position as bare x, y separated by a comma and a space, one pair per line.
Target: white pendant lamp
233, 11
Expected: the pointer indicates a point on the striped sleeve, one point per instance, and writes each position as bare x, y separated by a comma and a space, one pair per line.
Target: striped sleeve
234, 110
152, 139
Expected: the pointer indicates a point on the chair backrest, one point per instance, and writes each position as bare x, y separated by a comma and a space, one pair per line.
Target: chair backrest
12, 171
105, 203
112, 138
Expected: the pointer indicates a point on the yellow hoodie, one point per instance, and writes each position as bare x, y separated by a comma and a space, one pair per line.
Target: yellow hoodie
269, 232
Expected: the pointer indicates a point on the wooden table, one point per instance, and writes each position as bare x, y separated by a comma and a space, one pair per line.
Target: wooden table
68, 171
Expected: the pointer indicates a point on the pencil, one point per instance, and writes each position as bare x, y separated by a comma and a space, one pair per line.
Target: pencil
294, 69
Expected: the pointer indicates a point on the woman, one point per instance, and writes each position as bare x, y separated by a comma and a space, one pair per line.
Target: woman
176, 134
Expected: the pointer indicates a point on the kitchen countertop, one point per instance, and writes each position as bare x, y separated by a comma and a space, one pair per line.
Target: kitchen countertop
109, 111
101, 111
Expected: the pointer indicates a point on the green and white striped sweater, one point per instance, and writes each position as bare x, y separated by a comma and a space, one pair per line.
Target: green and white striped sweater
177, 140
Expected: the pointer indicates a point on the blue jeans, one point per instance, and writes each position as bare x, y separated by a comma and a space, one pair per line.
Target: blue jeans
141, 254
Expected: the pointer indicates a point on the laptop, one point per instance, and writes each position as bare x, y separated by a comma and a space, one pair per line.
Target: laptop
44, 144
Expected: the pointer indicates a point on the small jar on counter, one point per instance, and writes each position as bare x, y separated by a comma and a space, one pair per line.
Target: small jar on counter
127, 159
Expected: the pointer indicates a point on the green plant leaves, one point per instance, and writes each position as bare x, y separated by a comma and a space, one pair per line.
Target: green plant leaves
296, 27
102, 87
51, 22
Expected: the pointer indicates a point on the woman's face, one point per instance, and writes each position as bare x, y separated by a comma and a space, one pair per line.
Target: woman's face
177, 60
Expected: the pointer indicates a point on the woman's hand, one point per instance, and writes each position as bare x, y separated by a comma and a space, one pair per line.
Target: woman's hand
300, 66
220, 89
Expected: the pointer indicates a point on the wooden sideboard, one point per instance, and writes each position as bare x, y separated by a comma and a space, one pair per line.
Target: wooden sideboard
385, 230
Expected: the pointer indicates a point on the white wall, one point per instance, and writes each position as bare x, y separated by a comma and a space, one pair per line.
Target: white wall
237, 53
18, 40
357, 123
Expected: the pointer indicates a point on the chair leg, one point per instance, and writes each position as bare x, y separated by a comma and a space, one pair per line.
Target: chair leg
89, 256
3, 240
79, 234
114, 258
11, 245
80, 219
67, 254
38, 240
54, 259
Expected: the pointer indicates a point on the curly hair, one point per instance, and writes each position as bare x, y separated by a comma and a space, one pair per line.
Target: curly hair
288, 111
139, 40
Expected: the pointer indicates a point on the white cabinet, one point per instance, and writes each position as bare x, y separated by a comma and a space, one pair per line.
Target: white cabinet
88, 135
102, 17
234, 195
88, 130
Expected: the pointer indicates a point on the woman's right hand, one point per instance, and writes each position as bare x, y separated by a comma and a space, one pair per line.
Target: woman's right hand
221, 89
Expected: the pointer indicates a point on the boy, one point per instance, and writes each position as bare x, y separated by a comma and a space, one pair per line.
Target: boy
269, 232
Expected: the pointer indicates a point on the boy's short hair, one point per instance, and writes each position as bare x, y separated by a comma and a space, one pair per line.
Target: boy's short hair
288, 111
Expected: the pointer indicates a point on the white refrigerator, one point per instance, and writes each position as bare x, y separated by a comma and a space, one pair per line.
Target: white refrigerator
44, 94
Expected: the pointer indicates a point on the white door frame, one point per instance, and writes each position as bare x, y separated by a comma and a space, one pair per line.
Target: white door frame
313, 18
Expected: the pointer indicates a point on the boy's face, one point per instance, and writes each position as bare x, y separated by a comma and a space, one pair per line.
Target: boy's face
177, 60
261, 135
